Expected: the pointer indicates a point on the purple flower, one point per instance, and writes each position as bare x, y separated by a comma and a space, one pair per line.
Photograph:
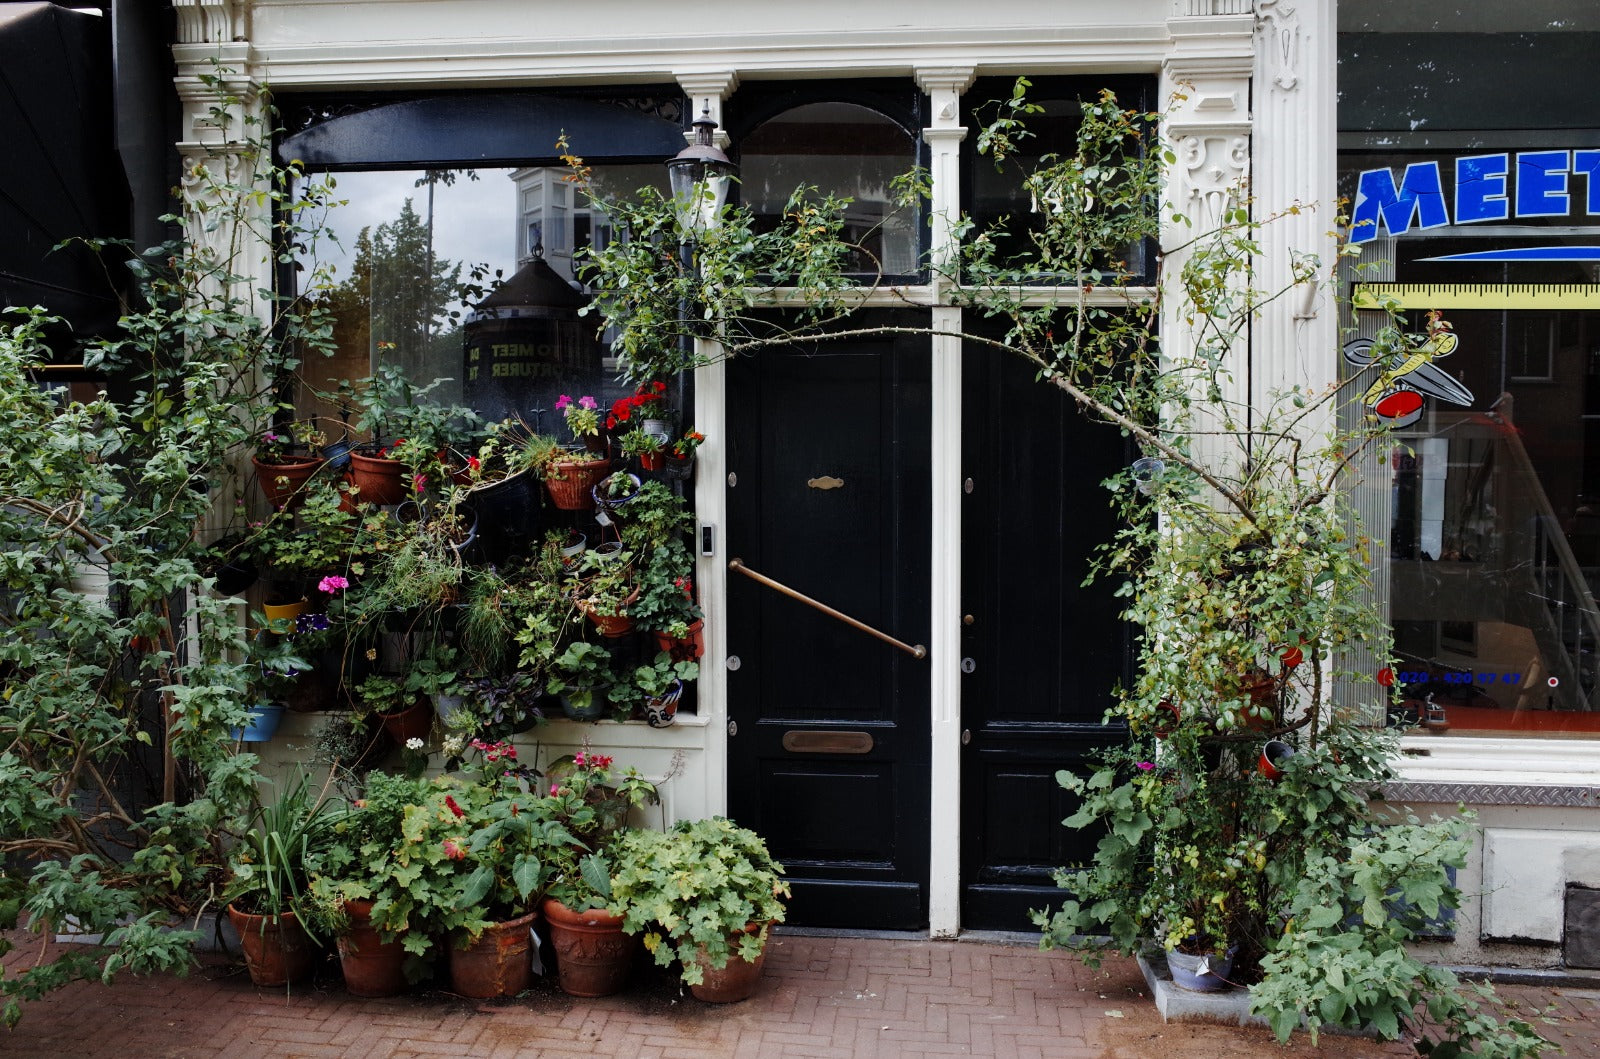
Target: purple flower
311, 623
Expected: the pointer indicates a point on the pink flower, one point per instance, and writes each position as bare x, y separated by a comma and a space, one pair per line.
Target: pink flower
1144, 766
333, 583
578, 759
453, 850
587, 402
419, 481
555, 788
562, 402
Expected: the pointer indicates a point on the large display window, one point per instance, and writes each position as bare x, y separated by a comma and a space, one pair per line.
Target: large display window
1491, 526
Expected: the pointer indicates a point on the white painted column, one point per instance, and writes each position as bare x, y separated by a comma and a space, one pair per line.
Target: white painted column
1294, 182
944, 87
1205, 86
707, 91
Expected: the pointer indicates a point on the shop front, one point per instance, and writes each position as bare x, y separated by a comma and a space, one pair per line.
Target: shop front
921, 487
1479, 208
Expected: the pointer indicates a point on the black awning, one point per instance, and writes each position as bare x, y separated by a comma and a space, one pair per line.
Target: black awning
482, 129
60, 176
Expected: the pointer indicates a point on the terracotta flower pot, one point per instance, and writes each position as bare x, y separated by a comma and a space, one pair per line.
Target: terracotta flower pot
571, 480
686, 649
381, 480
593, 956
372, 966
734, 982
277, 950
499, 963
282, 480
413, 722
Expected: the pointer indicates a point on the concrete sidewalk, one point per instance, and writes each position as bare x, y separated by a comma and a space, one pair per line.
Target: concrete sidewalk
820, 996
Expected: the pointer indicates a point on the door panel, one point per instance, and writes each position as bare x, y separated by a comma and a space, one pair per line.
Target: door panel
828, 494
1045, 652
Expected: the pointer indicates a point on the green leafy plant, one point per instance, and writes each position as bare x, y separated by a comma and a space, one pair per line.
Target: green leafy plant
281, 846
692, 889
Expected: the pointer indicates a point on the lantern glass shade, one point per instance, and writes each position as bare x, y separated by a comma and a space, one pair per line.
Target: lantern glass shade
700, 175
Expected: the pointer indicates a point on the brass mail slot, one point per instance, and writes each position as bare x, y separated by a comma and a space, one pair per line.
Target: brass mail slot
827, 742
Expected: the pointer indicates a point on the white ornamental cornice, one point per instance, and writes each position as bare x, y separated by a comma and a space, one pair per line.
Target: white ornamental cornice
210, 21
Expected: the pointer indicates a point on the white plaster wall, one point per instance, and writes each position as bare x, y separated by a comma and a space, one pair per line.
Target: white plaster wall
673, 758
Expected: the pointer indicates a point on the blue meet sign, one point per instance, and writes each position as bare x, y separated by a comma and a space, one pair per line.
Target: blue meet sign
1487, 187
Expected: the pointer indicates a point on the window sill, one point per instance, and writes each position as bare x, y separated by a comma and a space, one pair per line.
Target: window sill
1486, 770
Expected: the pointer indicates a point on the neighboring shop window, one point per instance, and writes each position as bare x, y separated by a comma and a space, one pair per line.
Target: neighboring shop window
1493, 521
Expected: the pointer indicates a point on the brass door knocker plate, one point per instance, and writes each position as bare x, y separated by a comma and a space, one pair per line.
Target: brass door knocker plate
827, 481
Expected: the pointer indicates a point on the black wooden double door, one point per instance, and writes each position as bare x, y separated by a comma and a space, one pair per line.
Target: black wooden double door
829, 735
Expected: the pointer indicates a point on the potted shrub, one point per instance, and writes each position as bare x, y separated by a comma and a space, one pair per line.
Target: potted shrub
477, 856
652, 691
680, 457
359, 874
398, 702
605, 587
581, 676
594, 955
648, 449
279, 847
705, 892
285, 459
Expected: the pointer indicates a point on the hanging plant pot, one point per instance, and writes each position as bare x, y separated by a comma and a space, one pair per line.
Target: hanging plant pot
611, 625
575, 546
612, 493
686, 648
593, 956
283, 611
499, 963
262, 724
372, 967
734, 982
338, 454
379, 479
571, 482
652, 461
660, 711
281, 481
1273, 756
277, 949
680, 468
413, 722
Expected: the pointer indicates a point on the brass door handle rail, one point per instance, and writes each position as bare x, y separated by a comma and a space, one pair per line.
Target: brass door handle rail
914, 650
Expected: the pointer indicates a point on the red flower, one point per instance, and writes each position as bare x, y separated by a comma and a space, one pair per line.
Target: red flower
599, 761
453, 807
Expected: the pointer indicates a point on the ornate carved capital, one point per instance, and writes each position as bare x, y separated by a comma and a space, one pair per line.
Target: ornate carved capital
1279, 27
1210, 173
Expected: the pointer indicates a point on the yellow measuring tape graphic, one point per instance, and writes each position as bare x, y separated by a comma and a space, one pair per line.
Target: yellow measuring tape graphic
1478, 295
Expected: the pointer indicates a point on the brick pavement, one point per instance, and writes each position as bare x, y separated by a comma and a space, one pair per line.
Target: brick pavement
821, 996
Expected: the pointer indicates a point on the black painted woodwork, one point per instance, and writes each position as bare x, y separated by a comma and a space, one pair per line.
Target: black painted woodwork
851, 828
1046, 651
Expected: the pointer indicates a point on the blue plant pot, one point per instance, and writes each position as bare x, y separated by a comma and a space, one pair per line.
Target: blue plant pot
262, 726
1203, 974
